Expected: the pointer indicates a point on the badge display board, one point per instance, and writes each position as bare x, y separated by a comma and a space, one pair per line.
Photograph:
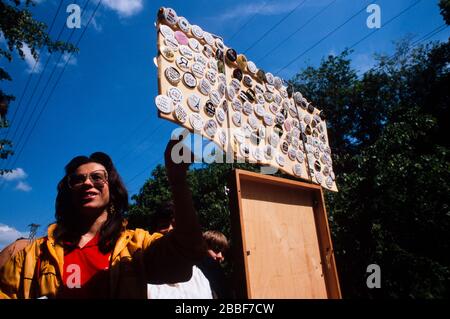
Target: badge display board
281, 240
211, 90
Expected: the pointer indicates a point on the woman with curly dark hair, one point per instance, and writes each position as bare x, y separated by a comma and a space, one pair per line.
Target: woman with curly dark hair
89, 253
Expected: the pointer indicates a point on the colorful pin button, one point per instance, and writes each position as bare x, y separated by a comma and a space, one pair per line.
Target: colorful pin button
170, 16
241, 61
167, 53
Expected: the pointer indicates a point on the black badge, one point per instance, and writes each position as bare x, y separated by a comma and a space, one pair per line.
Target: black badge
237, 74
261, 75
322, 116
231, 55
219, 54
290, 90
278, 129
210, 109
310, 108
243, 96
251, 95
247, 81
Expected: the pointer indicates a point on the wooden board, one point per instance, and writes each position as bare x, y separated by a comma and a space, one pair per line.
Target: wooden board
314, 162
283, 245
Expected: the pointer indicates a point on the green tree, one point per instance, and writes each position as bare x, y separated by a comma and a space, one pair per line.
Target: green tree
19, 29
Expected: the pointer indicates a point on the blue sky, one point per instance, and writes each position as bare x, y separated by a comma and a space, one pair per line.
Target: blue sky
104, 100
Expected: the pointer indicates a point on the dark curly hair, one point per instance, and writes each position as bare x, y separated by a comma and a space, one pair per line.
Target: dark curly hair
67, 214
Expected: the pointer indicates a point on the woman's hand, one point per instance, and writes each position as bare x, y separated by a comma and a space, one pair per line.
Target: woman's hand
176, 163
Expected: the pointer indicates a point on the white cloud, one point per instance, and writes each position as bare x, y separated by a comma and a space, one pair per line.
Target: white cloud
23, 186
16, 174
30, 61
9, 234
65, 57
125, 8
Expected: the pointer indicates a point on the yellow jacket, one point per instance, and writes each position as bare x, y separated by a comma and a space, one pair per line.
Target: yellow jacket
138, 258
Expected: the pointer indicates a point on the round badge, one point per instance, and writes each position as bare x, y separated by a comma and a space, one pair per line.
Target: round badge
290, 90
243, 96
307, 119
298, 98
204, 87
168, 53
292, 153
209, 109
198, 70
277, 82
237, 74
181, 38
236, 105
219, 43
268, 96
293, 111
262, 131
235, 84
200, 58
283, 93
310, 108
208, 51
259, 89
251, 95
184, 25
258, 153
210, 128
297, 169
277, 99
194, 44
251, 67
279, 119
326, 171
268, 152
222, 78
239, 136
170, 16
175, 94
260, 99
197, 32
211, 75
196, 121
230, 93
278, 129
208, 38
189, 80
180, 113
273, 108
319, 177
295, 142
269, 78
329, 182
231, 55
164, 104
236, 118
247, 108
171, 43
194, 102
254, 138
187, 52
212, 64
261, 75
241, 61
222, 137
172, 75
274, 139
287, 125
304, 104
244, 149
247, 80
214, 97
260, 110
247, 130
221, 88
166, 31
299, 156
284, 147
268, 119
219, 54
280, 160
253, 121
270, 88
220, 115
183, 63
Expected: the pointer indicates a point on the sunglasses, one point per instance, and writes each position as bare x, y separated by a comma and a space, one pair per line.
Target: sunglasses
98, 178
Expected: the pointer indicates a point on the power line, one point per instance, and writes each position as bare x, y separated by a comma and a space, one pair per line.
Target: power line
274, 26
385, 24
36, 87
57, 81
322, 39
248, 21
293, 33
32, 70
144, 170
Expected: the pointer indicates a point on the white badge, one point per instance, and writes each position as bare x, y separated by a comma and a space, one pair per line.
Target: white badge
175, 94
196, 121
164, 104
194, 102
